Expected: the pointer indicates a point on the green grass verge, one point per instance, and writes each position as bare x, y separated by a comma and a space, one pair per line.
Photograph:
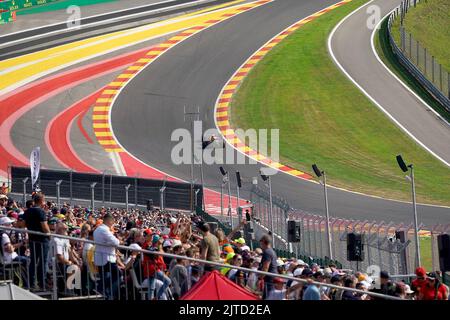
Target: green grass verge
386, 54
428, 23
324, 119
425, 252
60, 5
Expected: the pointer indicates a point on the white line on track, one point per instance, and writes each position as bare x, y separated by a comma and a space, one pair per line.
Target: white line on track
375, 53
313, 181
330, 50
154, 25
137, 73
98, 22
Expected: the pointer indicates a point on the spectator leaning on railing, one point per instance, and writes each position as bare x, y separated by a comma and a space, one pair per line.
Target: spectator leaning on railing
105, 256
36, 220
107, 270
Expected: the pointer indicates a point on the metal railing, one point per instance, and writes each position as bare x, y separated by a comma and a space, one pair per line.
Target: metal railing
385, 244
417, 59
103, 189
79, 282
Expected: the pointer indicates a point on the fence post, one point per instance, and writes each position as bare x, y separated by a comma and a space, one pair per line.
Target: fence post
161, 201
54, 266
110, 188
58, 193
410, 46
309, 235
127, 187
135, 192
369, 232
448, 84
70, 185
432, 68
425, 61
380, 259
221, 200
103, 187
440, 77
25, 190
417, 54
93, 195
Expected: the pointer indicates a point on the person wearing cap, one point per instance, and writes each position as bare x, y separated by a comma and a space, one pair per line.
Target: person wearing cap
433, 289
420, 280
403, 291
105, 256
279, 292
228, 259
8, 250
36, 220
236, 275
387, 287
239, 242
65, 256
336, 294
252, 280
177, 248
154, 268
173, 225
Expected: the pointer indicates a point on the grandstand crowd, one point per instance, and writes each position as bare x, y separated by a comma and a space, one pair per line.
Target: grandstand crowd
119, 274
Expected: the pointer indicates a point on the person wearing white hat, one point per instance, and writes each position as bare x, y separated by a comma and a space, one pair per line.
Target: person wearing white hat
3, 201
8, 250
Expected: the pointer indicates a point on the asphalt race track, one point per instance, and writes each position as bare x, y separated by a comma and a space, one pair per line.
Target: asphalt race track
351, 45
192, 74
58, 34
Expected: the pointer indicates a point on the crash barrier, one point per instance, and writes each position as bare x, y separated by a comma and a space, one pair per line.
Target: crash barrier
46, 266
104, 189
419, 62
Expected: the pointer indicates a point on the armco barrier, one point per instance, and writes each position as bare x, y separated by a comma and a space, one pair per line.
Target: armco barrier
440, 93
109, 188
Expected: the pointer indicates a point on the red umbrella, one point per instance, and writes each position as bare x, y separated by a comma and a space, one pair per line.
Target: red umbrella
215, 286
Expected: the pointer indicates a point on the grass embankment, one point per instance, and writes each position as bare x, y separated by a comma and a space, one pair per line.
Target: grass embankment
429, 23
324, 119
60, 5
386, 54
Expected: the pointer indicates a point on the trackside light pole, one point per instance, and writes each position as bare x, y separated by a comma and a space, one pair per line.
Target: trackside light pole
127, 187
410, 168
226, 178
267, 178
319, 174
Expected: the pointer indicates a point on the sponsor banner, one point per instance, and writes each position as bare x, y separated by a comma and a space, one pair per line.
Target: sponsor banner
7, 16
35, 165
13, 5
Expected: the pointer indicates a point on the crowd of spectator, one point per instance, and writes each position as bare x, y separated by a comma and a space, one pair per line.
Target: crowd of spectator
117, 273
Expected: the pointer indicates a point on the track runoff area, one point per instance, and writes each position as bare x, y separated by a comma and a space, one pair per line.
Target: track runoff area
172, 72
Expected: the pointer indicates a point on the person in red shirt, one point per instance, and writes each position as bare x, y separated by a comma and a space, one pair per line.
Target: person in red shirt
433, 289
154, 267
421, 280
